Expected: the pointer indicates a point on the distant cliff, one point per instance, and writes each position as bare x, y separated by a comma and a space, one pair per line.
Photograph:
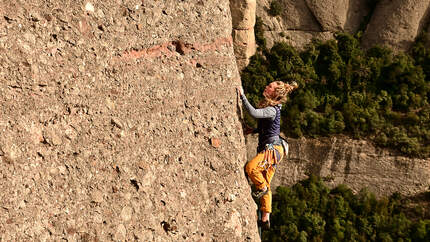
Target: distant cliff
356, 163
394, 23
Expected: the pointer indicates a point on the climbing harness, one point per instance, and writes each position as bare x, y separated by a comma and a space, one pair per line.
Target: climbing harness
270, 154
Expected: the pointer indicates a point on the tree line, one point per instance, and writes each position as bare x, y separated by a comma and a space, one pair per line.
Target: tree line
373, 94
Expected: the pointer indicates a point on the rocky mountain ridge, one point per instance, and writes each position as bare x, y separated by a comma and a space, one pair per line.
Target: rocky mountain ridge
390, 23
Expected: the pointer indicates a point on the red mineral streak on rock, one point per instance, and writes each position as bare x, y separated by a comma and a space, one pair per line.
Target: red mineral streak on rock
172, 47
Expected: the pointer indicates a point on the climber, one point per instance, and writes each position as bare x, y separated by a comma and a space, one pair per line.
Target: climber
271, 147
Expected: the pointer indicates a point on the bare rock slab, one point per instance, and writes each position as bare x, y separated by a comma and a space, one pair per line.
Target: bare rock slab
243, 13
331, 14
396, 23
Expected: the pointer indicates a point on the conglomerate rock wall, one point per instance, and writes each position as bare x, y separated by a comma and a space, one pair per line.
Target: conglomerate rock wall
118, 121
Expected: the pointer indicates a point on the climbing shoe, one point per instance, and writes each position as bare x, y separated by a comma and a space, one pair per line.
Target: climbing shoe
264, 225
259, 193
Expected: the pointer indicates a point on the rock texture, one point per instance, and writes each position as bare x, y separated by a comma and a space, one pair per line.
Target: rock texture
357, 164
339, 15
299, 22
355, 16
303, 20
296, 25
330, 14
243, 13
118, 122
243, 21
396, 23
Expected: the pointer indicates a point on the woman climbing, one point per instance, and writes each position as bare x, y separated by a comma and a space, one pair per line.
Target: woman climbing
271, 147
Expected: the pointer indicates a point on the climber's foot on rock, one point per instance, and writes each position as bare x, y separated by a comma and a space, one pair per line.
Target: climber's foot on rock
259, 193
264, 225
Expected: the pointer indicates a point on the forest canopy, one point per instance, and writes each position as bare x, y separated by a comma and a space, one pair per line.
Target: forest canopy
373, 94
310, 211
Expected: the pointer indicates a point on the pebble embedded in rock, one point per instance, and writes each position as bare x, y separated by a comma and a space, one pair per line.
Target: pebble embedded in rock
126, 214
89, 7
97, 196
53, 171
121, 233
52, 137
215, 142
231, 197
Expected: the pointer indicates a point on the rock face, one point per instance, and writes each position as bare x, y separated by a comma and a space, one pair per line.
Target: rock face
339, 15
296, 25
357, 164
303, 20
118, 122
243, 21
355, 15
331, 15
396, 23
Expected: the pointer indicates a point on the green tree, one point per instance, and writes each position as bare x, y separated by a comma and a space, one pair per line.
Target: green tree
372, 94
309, 211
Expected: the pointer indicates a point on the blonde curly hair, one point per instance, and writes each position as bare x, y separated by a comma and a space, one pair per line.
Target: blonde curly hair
281, 93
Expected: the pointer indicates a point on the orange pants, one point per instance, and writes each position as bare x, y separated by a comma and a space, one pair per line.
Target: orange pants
261, 175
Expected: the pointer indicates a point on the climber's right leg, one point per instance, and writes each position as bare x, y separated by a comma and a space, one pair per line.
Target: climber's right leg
255, 173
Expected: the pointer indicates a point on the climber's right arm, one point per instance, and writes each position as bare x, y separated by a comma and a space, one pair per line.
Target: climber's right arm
268, 112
